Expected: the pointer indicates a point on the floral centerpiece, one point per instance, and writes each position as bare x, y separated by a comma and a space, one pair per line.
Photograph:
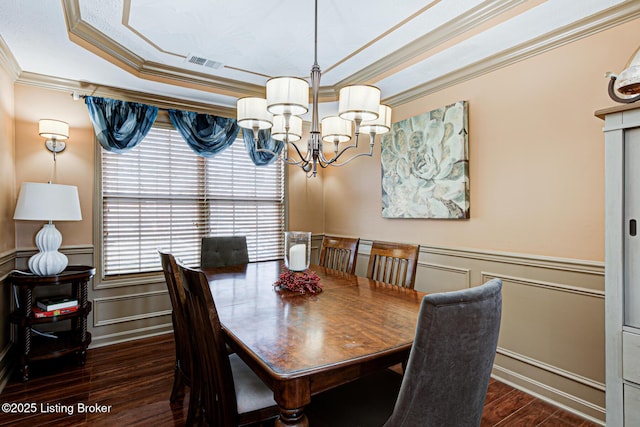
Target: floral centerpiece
304, 282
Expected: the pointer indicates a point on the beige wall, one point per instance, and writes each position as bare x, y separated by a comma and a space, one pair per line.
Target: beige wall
7, 161
74, 166
7, 204
536, 158
306, 202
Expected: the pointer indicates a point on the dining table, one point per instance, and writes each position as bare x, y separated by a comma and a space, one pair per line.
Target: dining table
304, 344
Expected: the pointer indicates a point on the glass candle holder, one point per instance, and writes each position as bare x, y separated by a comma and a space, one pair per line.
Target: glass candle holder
297, 250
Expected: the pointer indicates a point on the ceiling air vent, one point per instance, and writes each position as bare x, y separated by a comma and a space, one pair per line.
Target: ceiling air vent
199, 60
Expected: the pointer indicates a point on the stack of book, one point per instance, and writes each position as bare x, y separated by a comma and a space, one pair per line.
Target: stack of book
55, 306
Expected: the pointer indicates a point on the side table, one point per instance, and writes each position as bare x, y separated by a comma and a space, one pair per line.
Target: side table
76, 339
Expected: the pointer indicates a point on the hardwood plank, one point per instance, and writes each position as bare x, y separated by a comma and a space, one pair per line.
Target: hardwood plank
504, 406
135, 378
531, 414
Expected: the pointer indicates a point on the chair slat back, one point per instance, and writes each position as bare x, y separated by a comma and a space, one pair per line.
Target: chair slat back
178, 315
339, 253
213, 379
393, 263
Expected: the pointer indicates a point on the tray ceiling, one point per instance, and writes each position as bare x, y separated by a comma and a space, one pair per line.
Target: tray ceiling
215, 51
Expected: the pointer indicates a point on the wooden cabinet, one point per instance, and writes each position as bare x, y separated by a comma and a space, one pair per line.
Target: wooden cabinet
622, 263
73, 339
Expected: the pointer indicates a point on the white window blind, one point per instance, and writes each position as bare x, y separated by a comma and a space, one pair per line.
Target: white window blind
162, 195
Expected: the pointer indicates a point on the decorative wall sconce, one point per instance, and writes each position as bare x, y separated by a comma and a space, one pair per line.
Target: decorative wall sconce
56, 132
627, 83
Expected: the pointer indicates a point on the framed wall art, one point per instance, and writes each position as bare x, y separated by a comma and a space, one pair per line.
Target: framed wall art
425, 165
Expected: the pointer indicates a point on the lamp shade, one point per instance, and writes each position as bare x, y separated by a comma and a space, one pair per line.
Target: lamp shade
287, 95
380, 125
359, 102
253, 114
295, 129
49, 128
336, 129
48, 202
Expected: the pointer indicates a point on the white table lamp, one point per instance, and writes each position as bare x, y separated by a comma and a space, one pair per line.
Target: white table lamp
48, 202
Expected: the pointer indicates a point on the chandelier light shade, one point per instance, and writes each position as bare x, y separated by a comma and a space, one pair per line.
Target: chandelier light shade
287, 95
359, 103
293, 134
336, 129
288, 98
48, 202
253, 114
380, 125
627, 83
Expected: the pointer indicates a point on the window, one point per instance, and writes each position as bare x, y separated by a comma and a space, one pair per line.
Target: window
161, 194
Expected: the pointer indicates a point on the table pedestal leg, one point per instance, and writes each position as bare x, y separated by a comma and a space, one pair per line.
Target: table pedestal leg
292, 417
292, 396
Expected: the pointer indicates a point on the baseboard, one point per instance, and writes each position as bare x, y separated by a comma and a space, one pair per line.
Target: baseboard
563, 400
131, 335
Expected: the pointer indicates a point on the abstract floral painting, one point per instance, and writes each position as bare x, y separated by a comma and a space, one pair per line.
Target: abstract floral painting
425, 165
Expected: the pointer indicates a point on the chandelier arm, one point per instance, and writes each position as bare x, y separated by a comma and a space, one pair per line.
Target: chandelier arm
333, 161
302, 158
354, 145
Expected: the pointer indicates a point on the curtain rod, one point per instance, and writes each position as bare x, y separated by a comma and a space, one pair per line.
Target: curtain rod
219, 111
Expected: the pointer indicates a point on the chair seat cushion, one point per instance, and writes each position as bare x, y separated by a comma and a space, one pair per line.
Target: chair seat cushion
251, 392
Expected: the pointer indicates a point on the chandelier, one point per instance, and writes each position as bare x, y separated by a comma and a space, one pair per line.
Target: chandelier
359, 111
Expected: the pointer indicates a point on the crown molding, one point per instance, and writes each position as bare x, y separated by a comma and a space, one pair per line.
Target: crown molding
96, 89
88, 37
474, 17
586, 27
8, 61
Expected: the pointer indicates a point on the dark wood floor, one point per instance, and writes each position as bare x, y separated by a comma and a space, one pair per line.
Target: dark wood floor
131, 383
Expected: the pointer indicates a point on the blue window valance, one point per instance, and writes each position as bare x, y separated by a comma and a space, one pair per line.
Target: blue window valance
120, 125
207, 135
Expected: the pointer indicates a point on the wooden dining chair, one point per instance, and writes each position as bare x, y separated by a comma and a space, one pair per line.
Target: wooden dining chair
223, 251
447, 376
182, 367
230, 393
394, 263
339, 253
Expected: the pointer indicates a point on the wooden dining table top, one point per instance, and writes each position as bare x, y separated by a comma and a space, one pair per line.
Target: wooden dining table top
301, 344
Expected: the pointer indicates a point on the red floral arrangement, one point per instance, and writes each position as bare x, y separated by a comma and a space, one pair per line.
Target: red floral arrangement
305, 282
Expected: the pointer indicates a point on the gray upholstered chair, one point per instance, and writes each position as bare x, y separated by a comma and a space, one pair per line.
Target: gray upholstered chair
223, 251
447, 375
450, 363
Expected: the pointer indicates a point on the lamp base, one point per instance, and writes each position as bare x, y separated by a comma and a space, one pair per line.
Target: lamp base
48, 261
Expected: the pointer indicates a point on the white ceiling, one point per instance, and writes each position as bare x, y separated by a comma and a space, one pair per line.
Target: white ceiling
405, 47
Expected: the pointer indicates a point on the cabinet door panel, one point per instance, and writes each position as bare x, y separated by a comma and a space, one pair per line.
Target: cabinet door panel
631, 406
632, 228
